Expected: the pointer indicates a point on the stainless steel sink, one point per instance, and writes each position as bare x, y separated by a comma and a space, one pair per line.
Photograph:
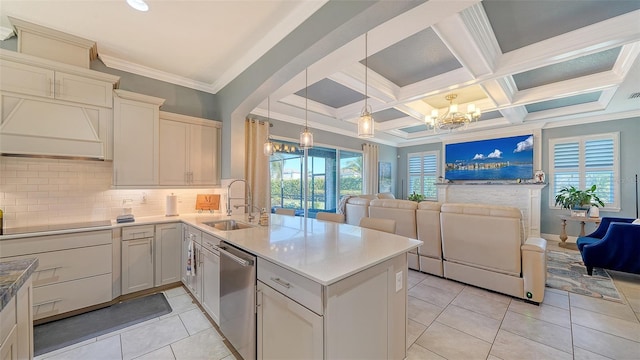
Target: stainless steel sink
227, 225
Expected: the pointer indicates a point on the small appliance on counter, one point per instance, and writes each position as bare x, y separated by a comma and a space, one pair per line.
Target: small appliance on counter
125, 218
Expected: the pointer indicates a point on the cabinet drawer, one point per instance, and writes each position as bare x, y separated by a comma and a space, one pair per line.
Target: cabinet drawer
306, 292
63, 297
41, 244
210, 242
194, 234
137, 232
65, 265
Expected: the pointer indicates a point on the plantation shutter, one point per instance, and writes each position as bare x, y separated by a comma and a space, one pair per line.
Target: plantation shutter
584, 161
423, 172
599, 170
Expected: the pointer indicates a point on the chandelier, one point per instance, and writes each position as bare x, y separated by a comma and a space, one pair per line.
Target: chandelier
453, 119
306, 137
365, 122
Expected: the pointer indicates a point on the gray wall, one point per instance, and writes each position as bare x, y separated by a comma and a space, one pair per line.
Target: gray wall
292, 131
10, 44
401, 174
629, 166
178, 99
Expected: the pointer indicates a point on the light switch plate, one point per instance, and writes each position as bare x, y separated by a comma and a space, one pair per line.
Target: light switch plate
398, 281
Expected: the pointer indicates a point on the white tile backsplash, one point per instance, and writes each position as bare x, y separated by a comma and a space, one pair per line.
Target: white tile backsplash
51, 191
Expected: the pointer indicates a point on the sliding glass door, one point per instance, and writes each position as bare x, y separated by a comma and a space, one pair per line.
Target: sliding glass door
331, 174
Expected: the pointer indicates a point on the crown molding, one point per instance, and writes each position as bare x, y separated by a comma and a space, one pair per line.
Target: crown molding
123, 65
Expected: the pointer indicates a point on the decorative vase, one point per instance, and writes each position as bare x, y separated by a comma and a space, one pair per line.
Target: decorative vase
594, 212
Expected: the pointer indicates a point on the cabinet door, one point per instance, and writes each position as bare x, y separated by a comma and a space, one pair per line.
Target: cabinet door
83, 90
9, 348
173, 153
286, 329
167, 254
24, 312
135, 149
137, 265
211, 284
26, 79
203, 154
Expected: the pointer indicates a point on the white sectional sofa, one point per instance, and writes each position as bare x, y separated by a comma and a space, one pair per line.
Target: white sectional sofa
478, 244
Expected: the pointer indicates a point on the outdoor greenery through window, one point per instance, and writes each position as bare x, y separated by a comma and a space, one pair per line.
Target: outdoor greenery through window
331, 173
423, 173
584, 161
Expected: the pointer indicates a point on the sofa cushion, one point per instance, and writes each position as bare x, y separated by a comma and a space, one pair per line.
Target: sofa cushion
429, 205
394, 203
482, 209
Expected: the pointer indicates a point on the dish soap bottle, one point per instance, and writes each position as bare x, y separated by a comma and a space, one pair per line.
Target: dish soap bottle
1, 227
264, 217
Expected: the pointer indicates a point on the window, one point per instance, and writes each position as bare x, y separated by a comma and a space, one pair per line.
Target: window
584, 161
423, 173
331, 173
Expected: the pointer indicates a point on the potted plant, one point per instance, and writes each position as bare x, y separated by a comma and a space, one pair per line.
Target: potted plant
416, 197
578, 201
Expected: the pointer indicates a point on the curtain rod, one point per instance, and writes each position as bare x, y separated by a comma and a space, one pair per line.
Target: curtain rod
260, 121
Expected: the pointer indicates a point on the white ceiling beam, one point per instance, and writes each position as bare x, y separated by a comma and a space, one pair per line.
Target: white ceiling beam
514, 115
583, 85
439, 84
379, 87
501, 90
469, 36
590, 39
314, 106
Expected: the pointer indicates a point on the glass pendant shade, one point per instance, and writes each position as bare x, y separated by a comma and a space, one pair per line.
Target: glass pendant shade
306, 139
268, 148
365, 125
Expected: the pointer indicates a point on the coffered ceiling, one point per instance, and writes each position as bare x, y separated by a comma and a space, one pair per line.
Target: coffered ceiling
526, 64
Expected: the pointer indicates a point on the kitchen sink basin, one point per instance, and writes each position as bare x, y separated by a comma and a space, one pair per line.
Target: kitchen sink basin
226, 225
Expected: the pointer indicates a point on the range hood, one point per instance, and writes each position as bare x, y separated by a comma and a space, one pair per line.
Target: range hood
50, 129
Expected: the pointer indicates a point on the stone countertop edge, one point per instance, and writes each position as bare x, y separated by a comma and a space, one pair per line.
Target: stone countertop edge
196, 220
13, 274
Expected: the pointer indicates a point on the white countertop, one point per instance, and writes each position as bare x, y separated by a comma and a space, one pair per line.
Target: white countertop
324, 252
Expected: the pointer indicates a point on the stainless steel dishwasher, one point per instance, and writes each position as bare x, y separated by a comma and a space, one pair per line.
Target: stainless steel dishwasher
238, 299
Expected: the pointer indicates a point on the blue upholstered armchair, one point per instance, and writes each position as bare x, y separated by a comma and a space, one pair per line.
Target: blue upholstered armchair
615, 245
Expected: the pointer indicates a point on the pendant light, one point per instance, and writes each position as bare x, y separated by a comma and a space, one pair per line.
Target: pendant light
366, 122
268, 148
306, 137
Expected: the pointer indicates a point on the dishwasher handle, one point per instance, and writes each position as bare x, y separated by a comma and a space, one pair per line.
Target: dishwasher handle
239, 260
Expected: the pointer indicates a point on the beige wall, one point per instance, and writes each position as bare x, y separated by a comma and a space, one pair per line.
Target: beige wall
49, 191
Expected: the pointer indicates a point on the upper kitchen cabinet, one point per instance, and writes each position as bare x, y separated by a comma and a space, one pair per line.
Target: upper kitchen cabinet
189, 150
54, 109
135, 139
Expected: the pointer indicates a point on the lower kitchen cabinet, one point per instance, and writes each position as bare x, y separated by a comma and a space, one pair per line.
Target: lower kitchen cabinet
286, 329
74, 272
16, 325
167, 249
137, 265
192, 282
211, 276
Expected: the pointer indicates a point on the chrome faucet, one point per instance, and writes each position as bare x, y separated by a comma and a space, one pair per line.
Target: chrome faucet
249, 205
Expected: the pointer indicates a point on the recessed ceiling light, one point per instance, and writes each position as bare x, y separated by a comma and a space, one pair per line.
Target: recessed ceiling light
139, 5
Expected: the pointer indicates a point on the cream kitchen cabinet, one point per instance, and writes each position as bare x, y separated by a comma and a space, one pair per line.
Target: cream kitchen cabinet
74, 271
135, 139
211, 276
193, 282
286, 329
167, 249
16, 325
137, 258
189, 150
30, 75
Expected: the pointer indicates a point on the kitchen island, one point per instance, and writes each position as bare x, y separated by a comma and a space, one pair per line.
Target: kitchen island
322, 289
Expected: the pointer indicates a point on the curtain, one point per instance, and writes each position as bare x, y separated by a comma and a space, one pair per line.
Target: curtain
256, 167
370, 168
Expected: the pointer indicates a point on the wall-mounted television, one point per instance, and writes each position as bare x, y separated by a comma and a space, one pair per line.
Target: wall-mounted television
507, 158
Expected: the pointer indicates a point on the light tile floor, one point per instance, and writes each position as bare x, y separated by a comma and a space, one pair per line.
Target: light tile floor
447, 320
185, 333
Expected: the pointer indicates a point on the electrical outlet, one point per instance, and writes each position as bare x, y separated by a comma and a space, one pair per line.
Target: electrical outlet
144, 198
398, 281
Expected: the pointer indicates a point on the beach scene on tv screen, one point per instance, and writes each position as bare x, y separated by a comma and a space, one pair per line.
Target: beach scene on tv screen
507, 158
